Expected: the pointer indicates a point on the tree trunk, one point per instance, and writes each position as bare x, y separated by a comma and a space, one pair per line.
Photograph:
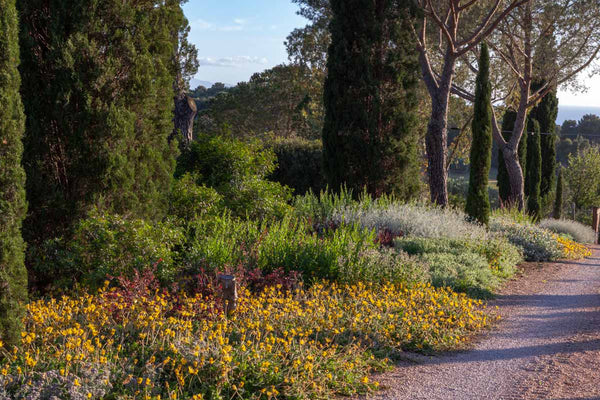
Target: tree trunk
436, 142
515, 177
436, 139
185, 112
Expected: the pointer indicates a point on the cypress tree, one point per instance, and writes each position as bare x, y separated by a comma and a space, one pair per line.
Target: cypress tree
534, 169
478, 202
98, 91
13, 275
369, 134
558, 200
508, 124
546, 113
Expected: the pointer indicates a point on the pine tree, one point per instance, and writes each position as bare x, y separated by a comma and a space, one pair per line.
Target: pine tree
369, 135
13, 275
546, 113
534, 169
478, 202
98, 92
558, 200
508, 123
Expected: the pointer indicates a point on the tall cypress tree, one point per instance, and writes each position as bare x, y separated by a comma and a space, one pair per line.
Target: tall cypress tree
478, 202
534, 169
508, 123
98, 91
546, 113
13, 275
369, 135
558, 199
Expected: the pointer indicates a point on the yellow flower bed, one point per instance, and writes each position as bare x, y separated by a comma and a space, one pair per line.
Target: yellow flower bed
572, 250
310, 343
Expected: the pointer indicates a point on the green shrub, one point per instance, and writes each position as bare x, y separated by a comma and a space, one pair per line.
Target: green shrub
221, 241
290, 245
383, 266
237, 171
110, 245
299, 164
513, 214
500, 256
466, 272
189, 201
457, 192
321, 207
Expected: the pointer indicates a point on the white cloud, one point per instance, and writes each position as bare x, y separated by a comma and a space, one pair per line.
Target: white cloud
231, 28
232, 62
202, 25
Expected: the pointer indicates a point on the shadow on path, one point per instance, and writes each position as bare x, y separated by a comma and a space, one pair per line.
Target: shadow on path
516, 352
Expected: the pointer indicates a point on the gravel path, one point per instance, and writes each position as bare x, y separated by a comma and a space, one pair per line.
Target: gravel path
547, 345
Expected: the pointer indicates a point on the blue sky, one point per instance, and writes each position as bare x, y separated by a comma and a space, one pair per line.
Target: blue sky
236, 38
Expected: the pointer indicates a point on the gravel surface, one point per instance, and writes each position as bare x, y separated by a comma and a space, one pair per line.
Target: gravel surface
547, 345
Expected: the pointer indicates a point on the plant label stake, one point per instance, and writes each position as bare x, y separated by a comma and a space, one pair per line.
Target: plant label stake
230, 296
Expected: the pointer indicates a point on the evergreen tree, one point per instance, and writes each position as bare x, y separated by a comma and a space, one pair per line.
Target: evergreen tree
508, 123
534, 169
478, 202
558, 200
13, 275
545, 113
98, 91
369, 134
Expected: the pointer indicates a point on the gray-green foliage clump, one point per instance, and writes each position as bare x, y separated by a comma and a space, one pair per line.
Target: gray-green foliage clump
369, 135
98, 81
478, 202
13, 275
412, 220
501, 259
537, 243
575, 230
453, 263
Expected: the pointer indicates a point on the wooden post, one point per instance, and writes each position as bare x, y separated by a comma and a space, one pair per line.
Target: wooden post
596, 221
229, 293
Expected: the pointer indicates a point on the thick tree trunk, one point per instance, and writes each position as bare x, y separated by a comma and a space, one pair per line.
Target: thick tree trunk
437, 143
510, 154
436, 139
515, 177
185, 112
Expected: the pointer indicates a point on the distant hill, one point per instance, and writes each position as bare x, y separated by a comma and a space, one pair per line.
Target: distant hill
574, 112
194, 83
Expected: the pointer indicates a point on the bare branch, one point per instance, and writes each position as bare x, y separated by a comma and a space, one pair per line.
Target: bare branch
488, 26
